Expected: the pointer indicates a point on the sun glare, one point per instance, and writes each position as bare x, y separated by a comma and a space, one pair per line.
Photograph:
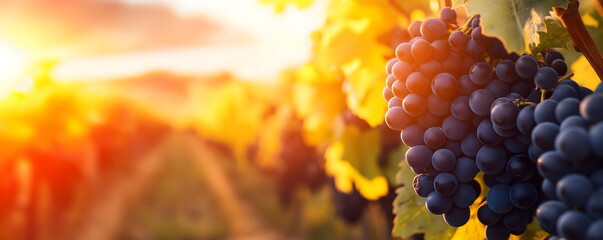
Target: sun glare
13, 62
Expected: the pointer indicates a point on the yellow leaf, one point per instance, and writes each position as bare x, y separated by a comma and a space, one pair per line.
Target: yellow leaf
584, 74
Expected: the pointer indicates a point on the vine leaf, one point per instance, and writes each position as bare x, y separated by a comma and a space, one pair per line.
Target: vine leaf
555, 36
352, 160
517, 22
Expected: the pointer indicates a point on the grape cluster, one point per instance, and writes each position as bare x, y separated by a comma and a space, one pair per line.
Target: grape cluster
439, 89
568, 137
506, 155
534, 133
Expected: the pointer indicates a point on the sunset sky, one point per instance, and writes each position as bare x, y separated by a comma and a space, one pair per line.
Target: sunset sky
101, 39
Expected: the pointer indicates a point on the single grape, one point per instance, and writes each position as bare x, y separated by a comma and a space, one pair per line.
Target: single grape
414, 104
438, 106
419, 156
421, 50
504, 114
573, 225
443, 160
444, 85
525, 120
445, 184
457, 216
526, 66
390, 64
560, 67
574, 190
399, 89
470, 145
423, 185
520, 168
497, 88
455, 129
499, 200
553, 166
481, 73
545, 111
480, 102
590, 108
448, 15
397, 119
414, 29
573, 143
438, 204
394, 102
460, 108
548, 213
458, 39
465, 170
430, 68
552, 56
417, 83
403, 52
401, 70
412, 135
465, 86
441, 49
523, 195
433, 29
464, 196
486, 216
567, 107
565, 91
491, 160
486, 134
546, 78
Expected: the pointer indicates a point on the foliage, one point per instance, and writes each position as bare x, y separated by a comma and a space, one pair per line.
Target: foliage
517, 22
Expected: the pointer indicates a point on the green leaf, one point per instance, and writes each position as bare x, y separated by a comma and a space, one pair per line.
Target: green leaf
555, 36
517, 22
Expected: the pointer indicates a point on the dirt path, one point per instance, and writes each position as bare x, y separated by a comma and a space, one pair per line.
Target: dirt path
245, 222
105, 219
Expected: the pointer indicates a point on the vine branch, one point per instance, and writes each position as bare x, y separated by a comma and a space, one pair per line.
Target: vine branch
572, 21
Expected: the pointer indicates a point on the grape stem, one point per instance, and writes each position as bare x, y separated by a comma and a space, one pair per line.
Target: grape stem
543, 94
572, 21
445, 3
565, 77
467, 26
525, 103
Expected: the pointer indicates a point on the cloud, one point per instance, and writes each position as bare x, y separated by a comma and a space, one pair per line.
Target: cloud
91, 27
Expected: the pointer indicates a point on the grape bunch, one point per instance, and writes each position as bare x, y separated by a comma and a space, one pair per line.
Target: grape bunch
568, 138
508, 151
439, 89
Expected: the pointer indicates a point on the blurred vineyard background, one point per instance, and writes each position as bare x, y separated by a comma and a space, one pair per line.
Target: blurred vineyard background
158, 119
